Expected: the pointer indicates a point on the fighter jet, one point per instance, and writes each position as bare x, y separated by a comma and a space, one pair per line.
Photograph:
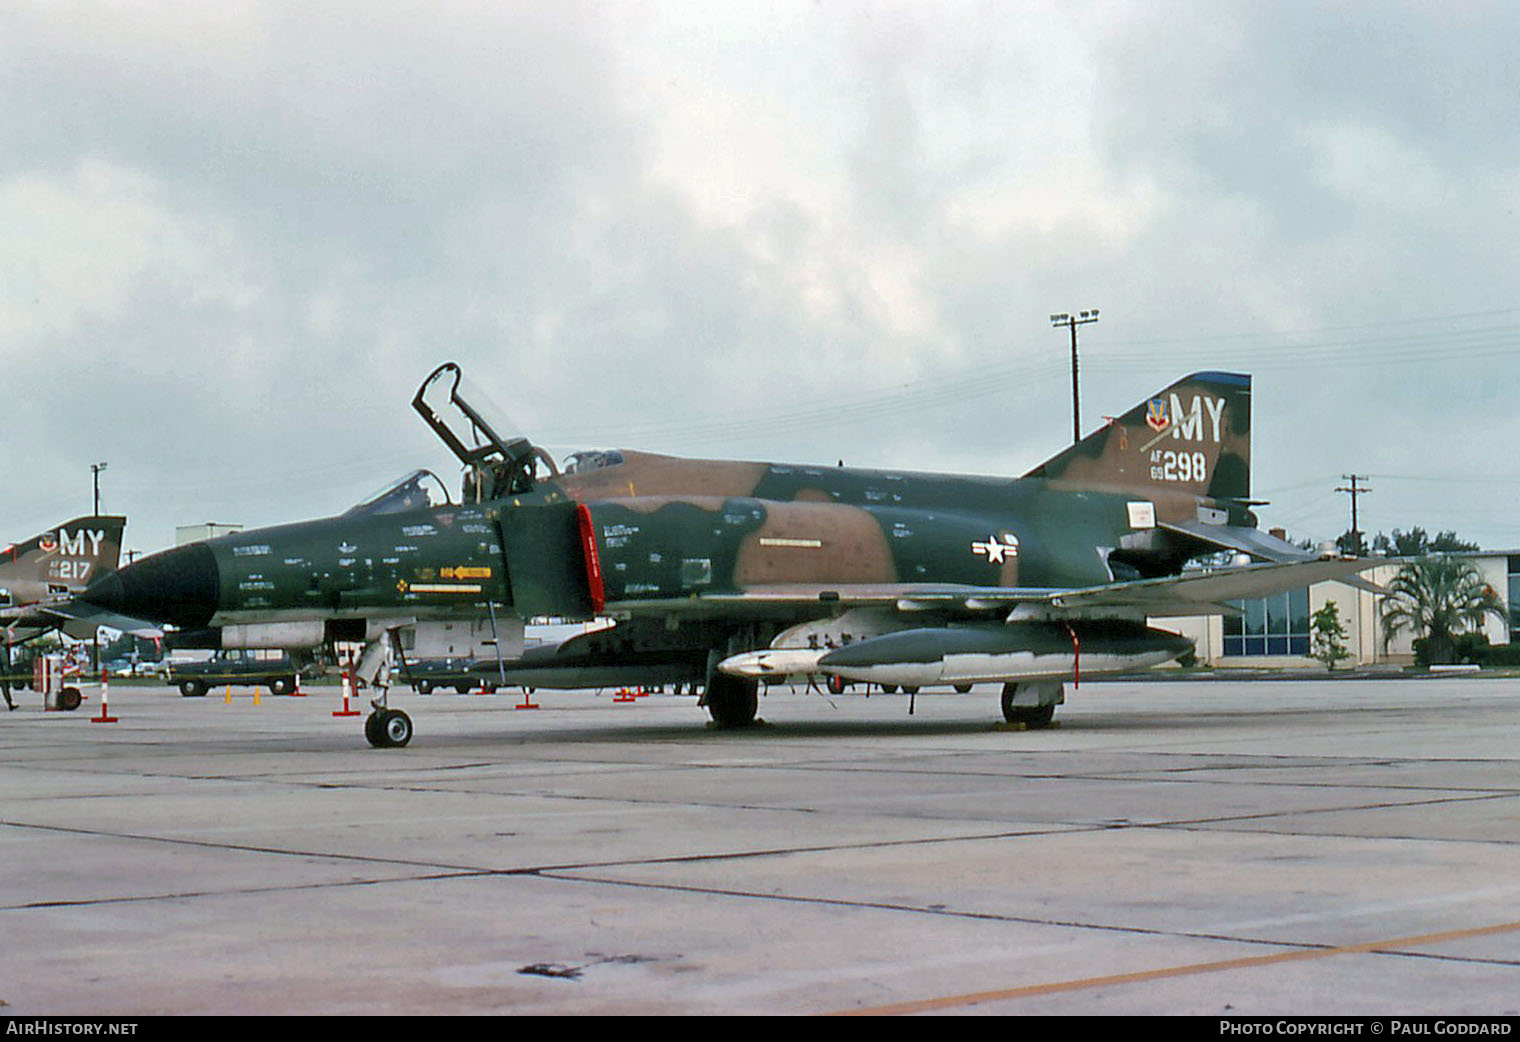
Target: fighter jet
46, 571
725, 573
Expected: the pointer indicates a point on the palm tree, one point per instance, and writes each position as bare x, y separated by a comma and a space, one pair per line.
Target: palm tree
1439, 596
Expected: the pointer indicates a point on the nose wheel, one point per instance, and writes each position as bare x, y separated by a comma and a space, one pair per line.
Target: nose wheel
388, 728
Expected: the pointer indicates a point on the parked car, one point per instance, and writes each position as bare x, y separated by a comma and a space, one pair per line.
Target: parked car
462, 674
271, 668
121, 667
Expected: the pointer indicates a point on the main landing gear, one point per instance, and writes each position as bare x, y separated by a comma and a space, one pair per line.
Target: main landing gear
731, 701
1032, 704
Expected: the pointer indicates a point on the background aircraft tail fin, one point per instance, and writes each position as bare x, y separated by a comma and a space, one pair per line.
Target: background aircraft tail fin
70, 555
1194, 436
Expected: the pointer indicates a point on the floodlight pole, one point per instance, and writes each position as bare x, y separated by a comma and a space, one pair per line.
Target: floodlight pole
1071, 322
95, 469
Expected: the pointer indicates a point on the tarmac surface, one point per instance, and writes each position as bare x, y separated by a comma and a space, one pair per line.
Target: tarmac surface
1211, 847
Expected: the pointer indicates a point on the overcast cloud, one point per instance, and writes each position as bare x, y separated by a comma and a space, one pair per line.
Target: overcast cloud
238, 235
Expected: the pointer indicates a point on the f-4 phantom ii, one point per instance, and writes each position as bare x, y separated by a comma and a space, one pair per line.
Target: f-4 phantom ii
726, 573
46, 571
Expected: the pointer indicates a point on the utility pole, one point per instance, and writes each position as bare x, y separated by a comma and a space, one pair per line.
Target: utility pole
1353, 491
1071, 322
95, 469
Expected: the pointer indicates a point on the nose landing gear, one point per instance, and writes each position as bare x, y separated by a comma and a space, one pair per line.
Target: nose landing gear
387, 728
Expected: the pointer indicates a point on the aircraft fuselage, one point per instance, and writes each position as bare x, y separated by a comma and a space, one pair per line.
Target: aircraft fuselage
581, 545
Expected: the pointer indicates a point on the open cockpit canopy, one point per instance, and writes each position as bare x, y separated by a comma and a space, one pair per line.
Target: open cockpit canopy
498, 459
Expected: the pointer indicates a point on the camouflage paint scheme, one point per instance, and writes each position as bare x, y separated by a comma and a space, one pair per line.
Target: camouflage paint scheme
65, 559
702, 560
49, 568
673, 528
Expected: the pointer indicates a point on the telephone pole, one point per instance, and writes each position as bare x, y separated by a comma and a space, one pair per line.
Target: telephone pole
1353, 491
1071, 322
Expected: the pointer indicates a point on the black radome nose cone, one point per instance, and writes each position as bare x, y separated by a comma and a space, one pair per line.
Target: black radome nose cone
178, 587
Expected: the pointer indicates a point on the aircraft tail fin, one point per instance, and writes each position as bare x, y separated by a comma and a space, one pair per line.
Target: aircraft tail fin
67, 557
1194, 436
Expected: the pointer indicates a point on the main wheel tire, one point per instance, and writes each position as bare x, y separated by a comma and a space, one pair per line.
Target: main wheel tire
69, 699
282, 685
388, 728
1034, 716
192, 688
732, 701
1029, 716
397, 727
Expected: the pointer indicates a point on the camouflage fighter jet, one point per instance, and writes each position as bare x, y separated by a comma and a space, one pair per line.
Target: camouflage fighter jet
726, 573
48, 570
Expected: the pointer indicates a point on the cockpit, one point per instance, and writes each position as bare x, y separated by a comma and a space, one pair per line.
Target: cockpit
498, 459
586, 462
416, 491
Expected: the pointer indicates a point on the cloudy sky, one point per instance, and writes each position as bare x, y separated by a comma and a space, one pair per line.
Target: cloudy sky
234, 237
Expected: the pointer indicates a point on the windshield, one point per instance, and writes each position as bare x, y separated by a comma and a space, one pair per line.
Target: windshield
416, 491
585, 462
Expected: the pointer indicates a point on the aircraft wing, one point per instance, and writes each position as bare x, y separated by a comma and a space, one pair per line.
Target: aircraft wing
25, 621
79, 619
1203, 592
1261, 545
1206, 592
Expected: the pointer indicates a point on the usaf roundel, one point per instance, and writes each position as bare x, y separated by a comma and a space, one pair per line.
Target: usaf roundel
997, 551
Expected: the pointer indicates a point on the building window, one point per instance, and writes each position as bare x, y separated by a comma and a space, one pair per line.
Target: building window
1276, 625
1514, 593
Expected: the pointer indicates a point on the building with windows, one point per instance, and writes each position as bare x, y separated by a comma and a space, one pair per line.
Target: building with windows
1274, 631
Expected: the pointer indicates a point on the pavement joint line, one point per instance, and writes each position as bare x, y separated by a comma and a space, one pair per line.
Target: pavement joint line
566, 874
1459, 794
242, 847
1384, 947
551, 871
1369, 837
1338, 809
1154, 774
999, 917
337, 884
